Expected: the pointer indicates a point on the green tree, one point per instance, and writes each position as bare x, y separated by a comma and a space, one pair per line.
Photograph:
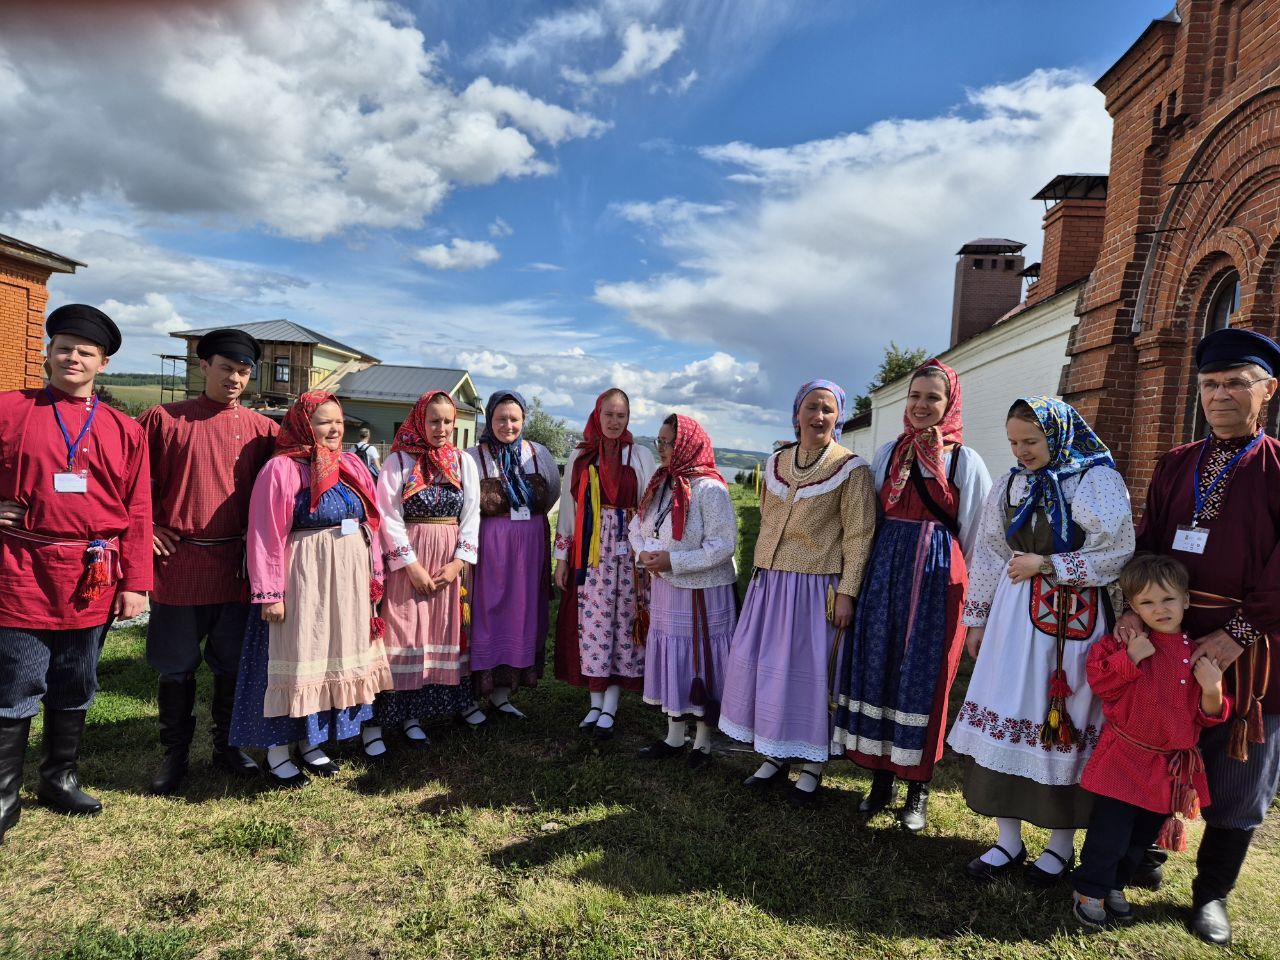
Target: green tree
541, 427
897, 362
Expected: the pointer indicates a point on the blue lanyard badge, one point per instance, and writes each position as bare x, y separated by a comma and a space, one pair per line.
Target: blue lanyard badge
1202, 498
70, 481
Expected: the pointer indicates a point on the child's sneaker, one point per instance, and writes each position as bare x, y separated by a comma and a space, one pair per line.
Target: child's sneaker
1089, 911
1118, 908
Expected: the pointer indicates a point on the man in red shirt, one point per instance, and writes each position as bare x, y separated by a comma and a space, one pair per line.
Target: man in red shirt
75, 551
205, 453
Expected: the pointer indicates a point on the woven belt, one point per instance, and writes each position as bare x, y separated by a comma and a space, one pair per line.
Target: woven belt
451, 521
211, 541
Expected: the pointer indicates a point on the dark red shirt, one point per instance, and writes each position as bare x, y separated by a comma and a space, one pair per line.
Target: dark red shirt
40, 581
204, 458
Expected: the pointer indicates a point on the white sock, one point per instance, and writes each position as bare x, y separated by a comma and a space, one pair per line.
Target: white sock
702, 737
676, 730
767, 769
280, 755
413, 730
810, 784
1061, 842
475, 716
609, 709
1010, 839
501, 698
597, 701
368, 735
312, 754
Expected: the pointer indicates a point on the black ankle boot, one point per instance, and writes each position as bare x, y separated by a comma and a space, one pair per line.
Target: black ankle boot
13, 750
884, 790
1222, 853
59, 784
176, 699
231, 759
915, 814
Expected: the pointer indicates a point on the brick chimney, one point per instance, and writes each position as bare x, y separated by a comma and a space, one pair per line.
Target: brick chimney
1072, 231
988, 285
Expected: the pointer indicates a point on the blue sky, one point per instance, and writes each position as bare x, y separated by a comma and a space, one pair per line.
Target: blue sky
704, 203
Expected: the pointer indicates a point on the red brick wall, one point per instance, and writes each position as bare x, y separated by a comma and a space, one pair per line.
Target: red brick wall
1195, 156
1073, 232
23, 296
983, 296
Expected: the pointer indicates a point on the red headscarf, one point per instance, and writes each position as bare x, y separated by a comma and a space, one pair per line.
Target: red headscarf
927, 445
297, 439
431, 462
606, 454
692, 456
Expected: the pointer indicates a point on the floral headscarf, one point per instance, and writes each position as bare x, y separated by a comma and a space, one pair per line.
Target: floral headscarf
692, 456
297, 440
430, 463
927, 445
600, 450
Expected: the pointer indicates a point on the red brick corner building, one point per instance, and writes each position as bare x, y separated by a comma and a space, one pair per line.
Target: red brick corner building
24, 274
1191, 238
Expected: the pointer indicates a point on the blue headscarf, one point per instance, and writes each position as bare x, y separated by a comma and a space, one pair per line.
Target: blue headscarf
508, 455
1073, 449
807, 389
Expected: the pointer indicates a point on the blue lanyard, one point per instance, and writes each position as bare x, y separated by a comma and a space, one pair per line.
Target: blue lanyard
1202, 497
72, 445
353, 508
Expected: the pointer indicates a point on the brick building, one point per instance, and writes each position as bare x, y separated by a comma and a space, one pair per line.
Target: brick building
1191, 238
24, 274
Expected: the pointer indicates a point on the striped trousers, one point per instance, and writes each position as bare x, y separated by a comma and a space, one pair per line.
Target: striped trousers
1241, 792
59, 667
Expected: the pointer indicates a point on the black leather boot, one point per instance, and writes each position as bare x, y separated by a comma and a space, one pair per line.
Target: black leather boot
884, 790
176, 700
915, 813
1222, 853
13, 750
59, 784
231, 759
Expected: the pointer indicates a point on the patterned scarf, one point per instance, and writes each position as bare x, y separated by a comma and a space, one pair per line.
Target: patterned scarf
807, 389
601, 452
508, 456
1073, 449
927, 445
297, 440
430, 462
691, 457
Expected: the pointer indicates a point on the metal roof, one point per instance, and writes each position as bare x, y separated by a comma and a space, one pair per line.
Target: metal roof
1074, 186
991, 245
29, 252
397, 384
280, 331
1032, 271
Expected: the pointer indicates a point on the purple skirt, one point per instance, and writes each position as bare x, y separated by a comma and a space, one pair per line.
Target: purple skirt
510, 594
778, 687
668, 668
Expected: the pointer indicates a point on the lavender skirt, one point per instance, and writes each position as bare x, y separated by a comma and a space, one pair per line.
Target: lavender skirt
777, 690
668, 669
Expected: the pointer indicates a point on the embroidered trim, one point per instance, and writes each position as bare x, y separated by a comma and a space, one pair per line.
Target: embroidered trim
875, 748
1242, 631
563, 543
1019, 730
815, 488
977, 610
885, 713
266, 596
1072, 568
402, 553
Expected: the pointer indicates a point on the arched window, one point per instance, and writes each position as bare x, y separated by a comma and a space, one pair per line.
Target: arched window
1224, 303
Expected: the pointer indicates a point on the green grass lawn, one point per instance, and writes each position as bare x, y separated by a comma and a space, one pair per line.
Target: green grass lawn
528, 840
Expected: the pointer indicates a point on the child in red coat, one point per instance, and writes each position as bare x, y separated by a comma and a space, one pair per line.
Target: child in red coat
1157, 695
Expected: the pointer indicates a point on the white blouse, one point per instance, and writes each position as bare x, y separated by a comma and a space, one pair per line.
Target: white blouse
704, 556
395, 535
1100, 507
971, 477
638, 458
533, 457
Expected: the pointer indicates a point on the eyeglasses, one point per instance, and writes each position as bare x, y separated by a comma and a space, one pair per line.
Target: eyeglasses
1234, 385
664, 444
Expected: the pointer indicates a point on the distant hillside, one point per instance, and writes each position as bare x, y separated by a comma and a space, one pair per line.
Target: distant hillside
728, 460
129, 379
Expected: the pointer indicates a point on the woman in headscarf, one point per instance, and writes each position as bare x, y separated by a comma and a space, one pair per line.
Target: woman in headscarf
596, 645
685, 535
313, 658
1055, 532
900, 659
817, 520
429, 495
511, 591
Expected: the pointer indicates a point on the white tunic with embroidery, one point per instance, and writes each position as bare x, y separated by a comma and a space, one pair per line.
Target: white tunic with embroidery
395, 536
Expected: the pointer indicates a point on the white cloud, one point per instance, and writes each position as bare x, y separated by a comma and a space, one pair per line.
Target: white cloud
644, 50
666, 212
460, 254
549, 398
540, 267
545, 37
485, 363
306, 118
837, 242
500, 228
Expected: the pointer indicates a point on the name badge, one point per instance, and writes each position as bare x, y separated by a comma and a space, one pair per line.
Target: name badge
1191, 539
622, 547
71, 482
350, 526
520, 513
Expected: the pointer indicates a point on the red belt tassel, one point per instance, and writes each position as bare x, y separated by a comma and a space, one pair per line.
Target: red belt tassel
102, 569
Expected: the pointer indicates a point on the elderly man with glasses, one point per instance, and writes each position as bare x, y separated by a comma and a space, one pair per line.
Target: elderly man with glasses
1215, 505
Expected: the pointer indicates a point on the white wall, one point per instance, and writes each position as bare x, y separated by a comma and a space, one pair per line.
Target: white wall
1023, 356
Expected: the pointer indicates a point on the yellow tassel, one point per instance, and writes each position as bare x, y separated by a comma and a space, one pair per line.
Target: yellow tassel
593, 553
1054, 719
831, 604
466, 607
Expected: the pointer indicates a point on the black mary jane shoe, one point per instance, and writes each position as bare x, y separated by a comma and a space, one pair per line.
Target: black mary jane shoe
327, 768
978, 869
298, 779
1042, 879
698, 759
415, 742
605, 733
588, 726
805, 798
659, 750
1210, 922
467, 718
515, 714
776, 779
375, 757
